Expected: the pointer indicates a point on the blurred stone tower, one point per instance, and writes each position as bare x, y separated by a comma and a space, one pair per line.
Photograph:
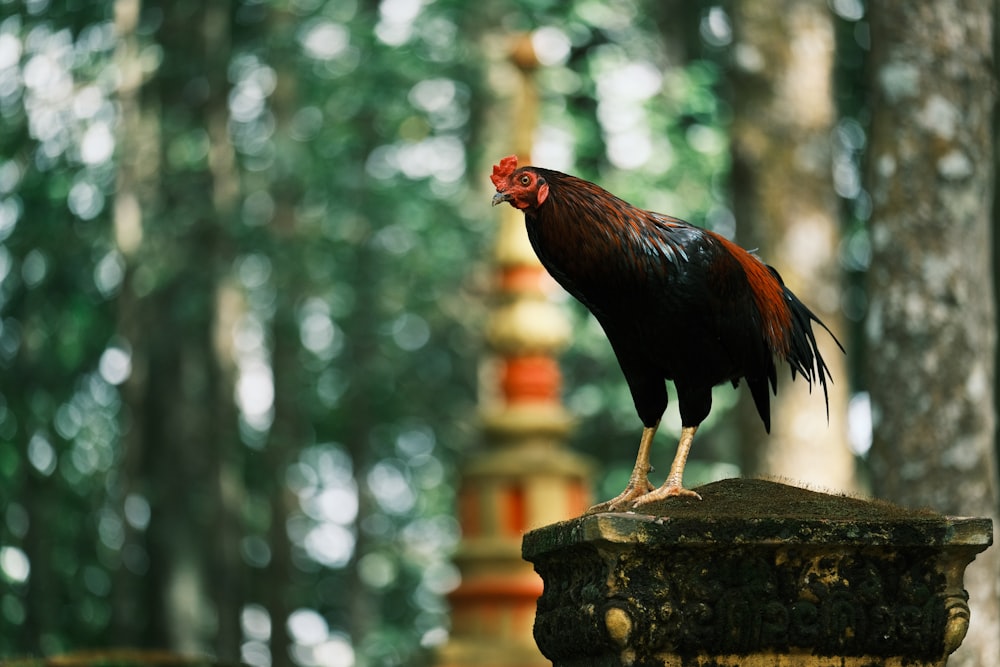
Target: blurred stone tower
524, 477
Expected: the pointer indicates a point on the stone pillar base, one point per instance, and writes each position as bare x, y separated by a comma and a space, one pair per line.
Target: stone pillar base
758, 573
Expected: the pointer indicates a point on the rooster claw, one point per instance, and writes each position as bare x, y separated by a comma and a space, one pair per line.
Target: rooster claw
624, 500
664, 492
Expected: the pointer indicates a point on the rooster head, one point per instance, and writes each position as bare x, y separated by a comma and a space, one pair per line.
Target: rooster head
523, 188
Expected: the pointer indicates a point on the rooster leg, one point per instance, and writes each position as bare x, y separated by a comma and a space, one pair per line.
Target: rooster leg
638, 484
673, 485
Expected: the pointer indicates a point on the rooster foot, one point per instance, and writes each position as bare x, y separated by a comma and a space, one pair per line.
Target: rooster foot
625, 499
664, 492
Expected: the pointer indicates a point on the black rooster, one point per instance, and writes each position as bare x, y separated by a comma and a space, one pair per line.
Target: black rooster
677, 303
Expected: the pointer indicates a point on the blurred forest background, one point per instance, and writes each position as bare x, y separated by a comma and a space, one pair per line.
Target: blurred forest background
245, 263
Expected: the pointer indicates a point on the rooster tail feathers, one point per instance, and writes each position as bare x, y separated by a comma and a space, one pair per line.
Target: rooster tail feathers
803, 354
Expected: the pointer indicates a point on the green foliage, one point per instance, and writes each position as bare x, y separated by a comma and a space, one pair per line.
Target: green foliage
54, 324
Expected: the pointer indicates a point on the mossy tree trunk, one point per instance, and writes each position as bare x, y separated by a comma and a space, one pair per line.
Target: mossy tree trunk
786, 207
931, 325
175, 200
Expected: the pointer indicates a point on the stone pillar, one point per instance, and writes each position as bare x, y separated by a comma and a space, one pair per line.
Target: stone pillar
524, 477
757, 574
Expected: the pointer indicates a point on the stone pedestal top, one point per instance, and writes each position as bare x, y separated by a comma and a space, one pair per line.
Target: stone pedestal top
756, 573
757, 511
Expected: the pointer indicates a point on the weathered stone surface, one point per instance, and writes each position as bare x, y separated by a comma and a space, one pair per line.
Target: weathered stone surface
758, 573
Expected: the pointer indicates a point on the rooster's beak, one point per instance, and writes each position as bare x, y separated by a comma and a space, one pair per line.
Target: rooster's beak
500, 198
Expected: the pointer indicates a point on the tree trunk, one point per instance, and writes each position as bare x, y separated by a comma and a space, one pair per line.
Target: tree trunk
785, 206
291, 429
181, 448
931, 324
138, 146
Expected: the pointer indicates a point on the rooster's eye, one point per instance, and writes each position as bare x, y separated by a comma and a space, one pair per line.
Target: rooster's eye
525, 180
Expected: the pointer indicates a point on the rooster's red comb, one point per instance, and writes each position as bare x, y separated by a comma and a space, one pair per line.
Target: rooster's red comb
503, 170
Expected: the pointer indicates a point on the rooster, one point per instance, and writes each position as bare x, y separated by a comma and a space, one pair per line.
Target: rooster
677, 302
